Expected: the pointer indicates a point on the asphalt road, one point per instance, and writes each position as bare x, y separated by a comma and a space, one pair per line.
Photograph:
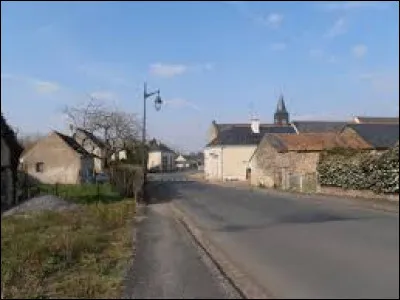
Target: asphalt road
168, 264
298, 247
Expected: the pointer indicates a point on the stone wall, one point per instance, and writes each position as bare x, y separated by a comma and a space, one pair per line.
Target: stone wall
269, 167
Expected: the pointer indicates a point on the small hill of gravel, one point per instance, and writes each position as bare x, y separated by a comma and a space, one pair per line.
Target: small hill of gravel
41, 203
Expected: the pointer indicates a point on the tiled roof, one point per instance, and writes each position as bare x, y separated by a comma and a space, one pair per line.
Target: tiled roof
319, 126
73, 144
241, 134
380, 136
314, 142
94, 138
381, 120
9, 136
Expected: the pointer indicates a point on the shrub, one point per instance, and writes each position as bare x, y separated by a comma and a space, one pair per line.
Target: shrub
351, 169
127, 179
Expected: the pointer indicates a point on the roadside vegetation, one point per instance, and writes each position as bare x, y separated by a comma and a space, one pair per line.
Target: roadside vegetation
79, 253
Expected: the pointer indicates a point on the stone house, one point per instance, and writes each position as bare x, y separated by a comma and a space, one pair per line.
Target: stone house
58, 158
160, 157
10, 154
94, 145
230, 146
281, 155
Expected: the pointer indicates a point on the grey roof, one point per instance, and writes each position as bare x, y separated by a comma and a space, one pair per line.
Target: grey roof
319, 126
94, 138
157, 146
380, 136
73, 144
9, 136
241, 134
386, 120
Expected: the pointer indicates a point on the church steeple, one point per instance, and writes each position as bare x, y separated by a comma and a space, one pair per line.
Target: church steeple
281, 116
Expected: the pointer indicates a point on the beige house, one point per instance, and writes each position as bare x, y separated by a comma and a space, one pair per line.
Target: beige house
10, 153
58, 158
279, 156
230, 146
160, 157
94, 145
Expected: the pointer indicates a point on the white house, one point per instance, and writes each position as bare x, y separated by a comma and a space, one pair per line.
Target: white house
160, 157
230, 146
181, 162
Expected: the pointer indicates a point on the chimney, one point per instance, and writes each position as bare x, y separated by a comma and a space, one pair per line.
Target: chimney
255, 125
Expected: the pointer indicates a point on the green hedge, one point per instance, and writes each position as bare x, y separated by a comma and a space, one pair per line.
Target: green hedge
351, 169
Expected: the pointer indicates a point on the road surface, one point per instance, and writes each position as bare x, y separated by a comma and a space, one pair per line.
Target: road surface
297, 247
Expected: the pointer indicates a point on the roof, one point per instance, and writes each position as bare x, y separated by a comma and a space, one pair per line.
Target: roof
73, 144
9, 136
241, 134
318, 126
155, 146
377, 135
381, 120
314, 142
94, 138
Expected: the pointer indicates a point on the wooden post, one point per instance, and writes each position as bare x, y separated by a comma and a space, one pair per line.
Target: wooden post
98, 191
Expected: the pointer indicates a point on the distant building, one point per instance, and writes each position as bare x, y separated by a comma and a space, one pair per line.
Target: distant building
160, 157
10, 154
58, 158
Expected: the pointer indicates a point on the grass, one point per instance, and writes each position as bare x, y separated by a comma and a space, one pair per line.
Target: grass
83, 194
72, 254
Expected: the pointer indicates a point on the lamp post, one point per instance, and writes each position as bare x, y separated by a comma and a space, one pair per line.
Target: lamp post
157, 105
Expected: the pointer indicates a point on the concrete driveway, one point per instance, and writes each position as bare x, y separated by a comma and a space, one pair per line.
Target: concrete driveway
298, 247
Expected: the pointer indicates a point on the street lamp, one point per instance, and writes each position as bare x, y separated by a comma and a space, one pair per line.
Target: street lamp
157, 105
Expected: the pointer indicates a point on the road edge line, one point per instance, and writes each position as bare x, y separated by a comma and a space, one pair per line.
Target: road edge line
246, 287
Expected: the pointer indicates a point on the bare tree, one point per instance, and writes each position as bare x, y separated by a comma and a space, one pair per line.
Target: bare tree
117, 128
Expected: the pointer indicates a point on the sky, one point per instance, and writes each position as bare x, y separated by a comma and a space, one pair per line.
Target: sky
222, 60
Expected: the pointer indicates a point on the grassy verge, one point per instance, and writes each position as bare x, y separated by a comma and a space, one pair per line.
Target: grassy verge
73, 254
83, 194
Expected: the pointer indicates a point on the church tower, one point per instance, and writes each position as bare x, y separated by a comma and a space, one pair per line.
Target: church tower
281, 116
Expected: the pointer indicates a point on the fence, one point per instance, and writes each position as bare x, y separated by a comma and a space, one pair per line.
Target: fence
306, 183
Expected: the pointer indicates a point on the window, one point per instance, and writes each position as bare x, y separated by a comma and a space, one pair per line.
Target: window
39, 167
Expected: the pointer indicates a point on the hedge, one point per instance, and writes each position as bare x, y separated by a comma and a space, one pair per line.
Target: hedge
126, 179
352, 169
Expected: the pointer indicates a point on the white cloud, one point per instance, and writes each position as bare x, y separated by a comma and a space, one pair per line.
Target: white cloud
359, 51
278, 46
350, 5
46, 87
338, 28
179, 103
39, 86
274, 20
167, 70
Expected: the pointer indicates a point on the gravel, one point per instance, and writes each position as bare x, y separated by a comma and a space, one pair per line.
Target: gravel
42, 203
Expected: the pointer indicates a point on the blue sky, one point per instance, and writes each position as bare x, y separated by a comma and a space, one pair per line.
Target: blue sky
220, 60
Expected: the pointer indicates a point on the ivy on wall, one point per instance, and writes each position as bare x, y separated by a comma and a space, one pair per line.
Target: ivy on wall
352, 169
